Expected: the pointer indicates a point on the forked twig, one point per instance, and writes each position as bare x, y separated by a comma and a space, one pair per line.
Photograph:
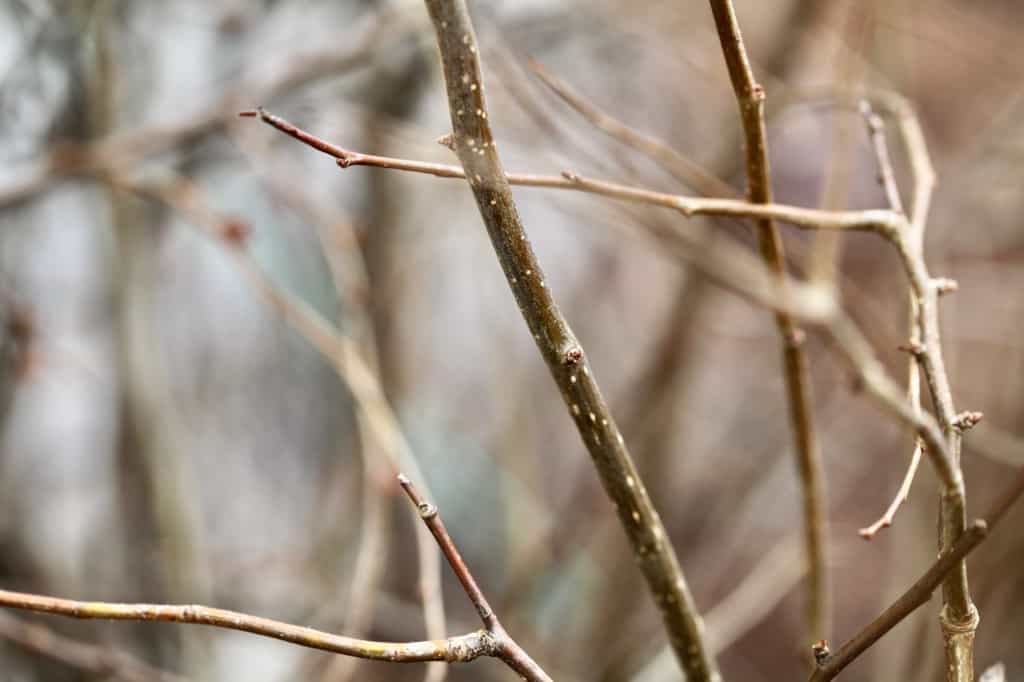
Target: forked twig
919, 593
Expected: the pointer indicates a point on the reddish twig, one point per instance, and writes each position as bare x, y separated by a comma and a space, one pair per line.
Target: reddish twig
506, 648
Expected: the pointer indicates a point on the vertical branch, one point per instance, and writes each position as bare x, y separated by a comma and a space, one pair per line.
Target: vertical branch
474, 144
750, 97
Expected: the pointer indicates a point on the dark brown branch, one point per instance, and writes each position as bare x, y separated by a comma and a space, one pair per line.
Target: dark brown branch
750, 97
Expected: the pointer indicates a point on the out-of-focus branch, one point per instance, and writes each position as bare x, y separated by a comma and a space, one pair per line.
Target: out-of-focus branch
683, 169
473, 143
130, 147
506, 648
920, 592
459, 649
750, 97
88, 658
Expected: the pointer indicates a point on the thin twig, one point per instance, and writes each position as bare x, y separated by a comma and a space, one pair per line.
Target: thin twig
474, 144
89, 658
750, 98
879, 221
683, 169
959, 617
459, 649
341, 353
920, 592
507, 648
887, 178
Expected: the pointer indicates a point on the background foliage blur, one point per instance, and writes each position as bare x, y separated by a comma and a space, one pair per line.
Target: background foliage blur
167, 437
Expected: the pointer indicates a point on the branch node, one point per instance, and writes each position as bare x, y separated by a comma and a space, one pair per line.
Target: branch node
447, 140
795, 338
945, 285
821, 652
571, 176
913, 348
966, 421
573, 356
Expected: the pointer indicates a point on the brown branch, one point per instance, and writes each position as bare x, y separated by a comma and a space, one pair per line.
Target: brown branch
920, 592
459, 649
750, 98
89, 658
474, 144
506, 648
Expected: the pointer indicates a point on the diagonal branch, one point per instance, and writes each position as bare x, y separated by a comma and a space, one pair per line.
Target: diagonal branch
506, 648
459, 649
750, 97
920, 592
474, 144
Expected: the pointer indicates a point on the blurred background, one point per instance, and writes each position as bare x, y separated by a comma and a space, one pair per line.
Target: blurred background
166, 435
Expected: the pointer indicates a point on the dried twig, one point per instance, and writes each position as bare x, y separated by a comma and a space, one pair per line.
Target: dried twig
879, 221
887, 178
492, 641
920, 592
459, 649
959, 616
750, 97
505, 647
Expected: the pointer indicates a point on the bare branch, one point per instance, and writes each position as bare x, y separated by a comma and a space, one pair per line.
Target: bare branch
459, 649
750, 98
879, 221
475, 147
920, 592
507, 648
